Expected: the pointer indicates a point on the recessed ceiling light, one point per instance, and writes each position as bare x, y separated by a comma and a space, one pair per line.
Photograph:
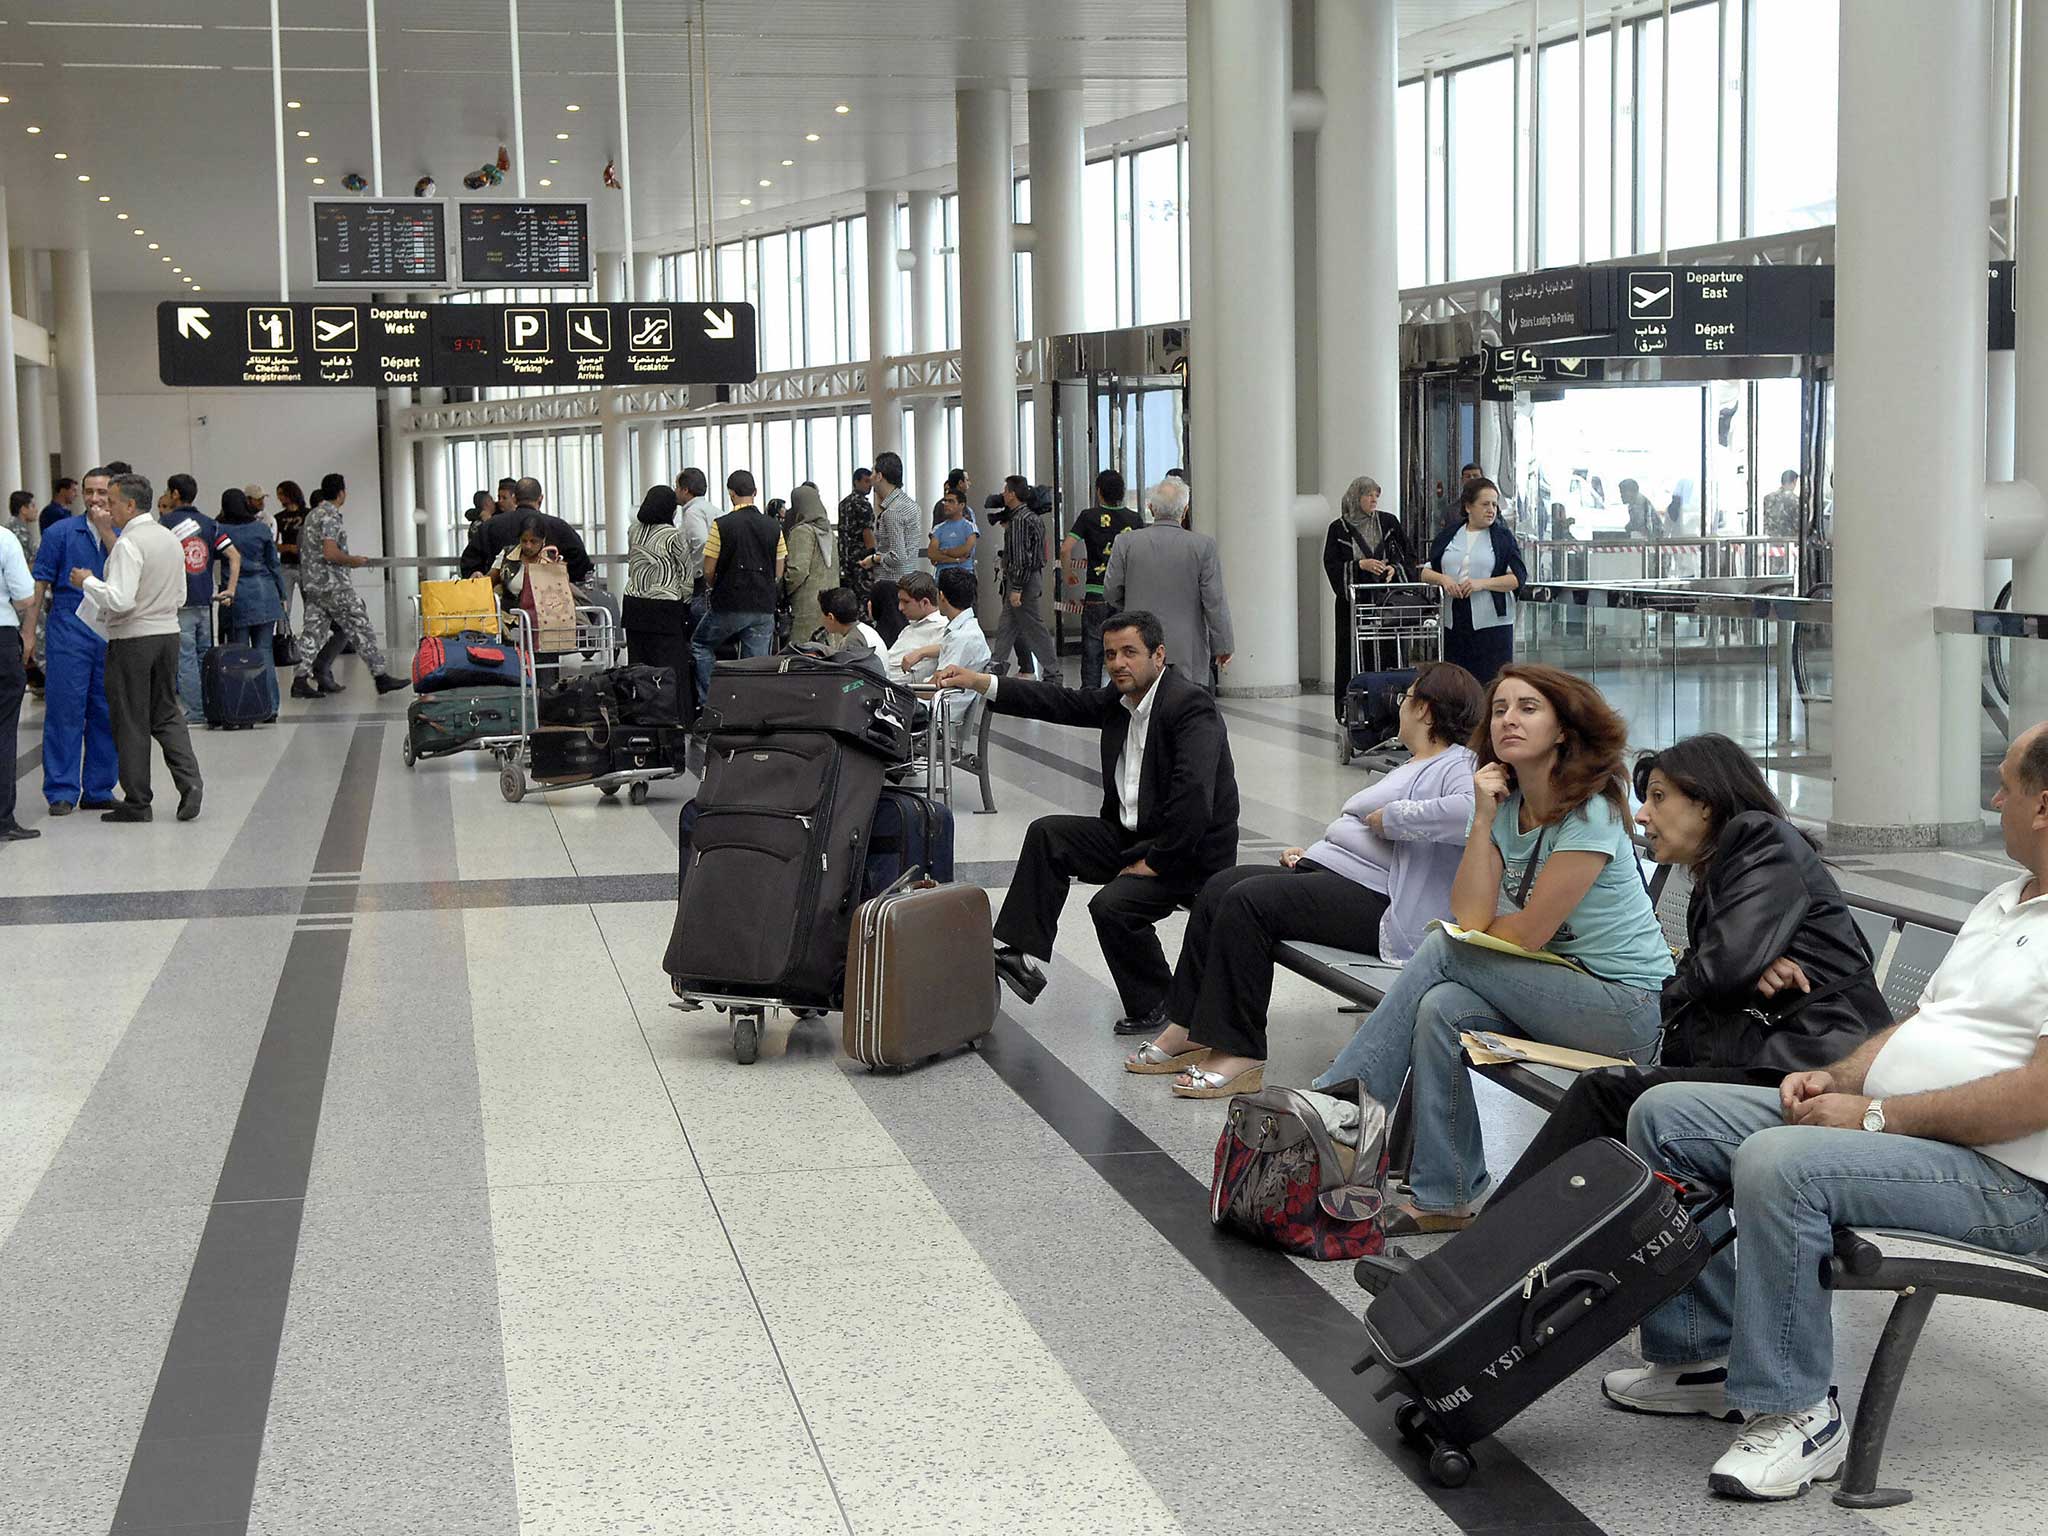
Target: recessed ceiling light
319, 181
545, 182
561, 135
4, 100
197, 289
152, 244
83, 177
312, 159
810, 138
293, 105
572, 107
746, 202
789, 162
138, 230
164, 259
120, 215
32, 128
105, 198
60, 155
554, 162
766, 182
304, 133
842, 109
180, 269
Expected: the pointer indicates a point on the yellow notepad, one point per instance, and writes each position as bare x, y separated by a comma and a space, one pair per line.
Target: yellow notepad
1480, 940
1483, 1049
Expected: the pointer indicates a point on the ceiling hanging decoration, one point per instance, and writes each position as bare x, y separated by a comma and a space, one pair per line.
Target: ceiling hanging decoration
611, 176
424, 187
504, 159
483, 176
354, 182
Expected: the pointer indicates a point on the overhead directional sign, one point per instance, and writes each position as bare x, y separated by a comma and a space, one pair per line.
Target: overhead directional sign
1556, 304
401, 346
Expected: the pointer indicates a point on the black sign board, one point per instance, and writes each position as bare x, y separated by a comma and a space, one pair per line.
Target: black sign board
392, 346
525, 244
2005, 300
364, 244
1556, 304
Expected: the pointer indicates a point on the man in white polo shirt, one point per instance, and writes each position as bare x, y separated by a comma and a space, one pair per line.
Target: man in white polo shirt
1939, 1125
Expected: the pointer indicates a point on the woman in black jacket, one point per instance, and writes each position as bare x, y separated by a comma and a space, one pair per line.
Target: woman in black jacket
1776, 976
1479, 565
1364, 545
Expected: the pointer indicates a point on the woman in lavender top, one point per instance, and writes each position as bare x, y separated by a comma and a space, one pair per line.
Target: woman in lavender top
1379, 874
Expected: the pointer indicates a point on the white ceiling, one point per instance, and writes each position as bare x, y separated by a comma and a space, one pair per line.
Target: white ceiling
166, 105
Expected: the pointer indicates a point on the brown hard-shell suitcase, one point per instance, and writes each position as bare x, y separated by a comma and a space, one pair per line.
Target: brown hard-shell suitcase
920, 974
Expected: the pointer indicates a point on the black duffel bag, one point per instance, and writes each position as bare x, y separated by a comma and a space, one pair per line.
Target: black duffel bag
580, 700
645, 695
567, 752
804, 693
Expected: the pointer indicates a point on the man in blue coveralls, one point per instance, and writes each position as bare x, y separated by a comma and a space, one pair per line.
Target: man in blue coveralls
75, 721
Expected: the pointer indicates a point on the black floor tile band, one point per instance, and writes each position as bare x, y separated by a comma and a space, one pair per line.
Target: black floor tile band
1317, 1333
202, 1438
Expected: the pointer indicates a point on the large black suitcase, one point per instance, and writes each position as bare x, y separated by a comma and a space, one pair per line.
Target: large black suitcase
1541, 1283
234, 687
804, 693
771, 867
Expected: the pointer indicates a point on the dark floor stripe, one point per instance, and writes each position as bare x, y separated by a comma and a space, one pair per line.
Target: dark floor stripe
195, 1463
1328, 733
1304, 1322
27, 760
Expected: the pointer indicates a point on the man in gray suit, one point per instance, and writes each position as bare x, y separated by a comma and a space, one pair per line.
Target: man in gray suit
1167, 570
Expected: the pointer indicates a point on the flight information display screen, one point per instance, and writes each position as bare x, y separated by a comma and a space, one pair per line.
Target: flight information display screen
365, 244
522, 244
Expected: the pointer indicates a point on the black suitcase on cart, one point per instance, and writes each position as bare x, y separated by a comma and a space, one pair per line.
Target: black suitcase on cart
771, 867
1541, 1283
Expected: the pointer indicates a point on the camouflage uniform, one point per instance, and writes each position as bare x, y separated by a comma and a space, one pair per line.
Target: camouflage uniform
332, 603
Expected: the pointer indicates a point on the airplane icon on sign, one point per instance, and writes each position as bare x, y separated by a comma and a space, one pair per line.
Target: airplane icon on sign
334, 328
590, 330
1649, 295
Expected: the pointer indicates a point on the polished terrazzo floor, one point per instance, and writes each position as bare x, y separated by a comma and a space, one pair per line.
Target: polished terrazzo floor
356, 1177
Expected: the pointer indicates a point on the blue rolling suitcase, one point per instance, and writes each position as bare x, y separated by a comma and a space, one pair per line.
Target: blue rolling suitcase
234, 687
909, 832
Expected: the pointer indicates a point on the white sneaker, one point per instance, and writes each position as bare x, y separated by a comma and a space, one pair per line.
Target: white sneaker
1778, 1455
1675, 1389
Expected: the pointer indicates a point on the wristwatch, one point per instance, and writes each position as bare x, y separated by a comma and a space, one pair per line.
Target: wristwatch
1873, 1115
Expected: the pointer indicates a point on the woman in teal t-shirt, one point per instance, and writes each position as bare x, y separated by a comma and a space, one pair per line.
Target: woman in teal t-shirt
1548, 866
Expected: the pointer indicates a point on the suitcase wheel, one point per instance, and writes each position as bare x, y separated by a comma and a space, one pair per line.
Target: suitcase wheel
636, 793
1409, 1420
609, 791
746, 1037
407, 752
1451, 1467
512, 781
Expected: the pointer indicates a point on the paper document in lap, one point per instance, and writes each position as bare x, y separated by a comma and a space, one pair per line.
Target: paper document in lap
1484, 1049
1500, 946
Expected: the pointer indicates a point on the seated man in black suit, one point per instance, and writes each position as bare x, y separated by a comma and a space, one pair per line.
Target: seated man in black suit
1168, 821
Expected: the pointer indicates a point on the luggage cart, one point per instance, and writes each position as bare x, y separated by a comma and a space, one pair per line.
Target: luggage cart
596, 640
1408, 616
748, 1016
492, 623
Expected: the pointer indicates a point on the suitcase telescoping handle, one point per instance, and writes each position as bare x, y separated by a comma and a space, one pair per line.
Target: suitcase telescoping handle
1556, 1304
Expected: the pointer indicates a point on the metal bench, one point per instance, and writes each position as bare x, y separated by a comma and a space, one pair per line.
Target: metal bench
1909, 947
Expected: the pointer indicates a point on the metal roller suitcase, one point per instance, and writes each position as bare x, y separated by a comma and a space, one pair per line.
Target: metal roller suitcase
920, 974
1541, 1283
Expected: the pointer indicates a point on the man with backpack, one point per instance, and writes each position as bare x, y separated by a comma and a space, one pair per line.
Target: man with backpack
744, 559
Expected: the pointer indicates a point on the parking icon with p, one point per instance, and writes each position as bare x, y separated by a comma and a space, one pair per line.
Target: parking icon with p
526, 330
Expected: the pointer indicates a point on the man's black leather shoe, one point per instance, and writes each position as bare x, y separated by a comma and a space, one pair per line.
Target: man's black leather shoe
125, 812
96, 805
1020, 974
1151, 1024
61, 807
15, 832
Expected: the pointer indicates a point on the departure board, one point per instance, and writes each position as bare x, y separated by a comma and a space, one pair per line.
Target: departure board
524, 244
365, 244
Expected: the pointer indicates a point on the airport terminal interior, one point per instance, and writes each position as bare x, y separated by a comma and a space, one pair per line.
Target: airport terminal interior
369, 1161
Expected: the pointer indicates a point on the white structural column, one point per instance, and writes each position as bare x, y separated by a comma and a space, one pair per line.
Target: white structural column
2030, 406
10, 408
928, 334
1909, 344
1053, 122
403, 530
647, 456
615, 439
438, 537
988, 297
1199, 458
78, 400
1999, 375
1358, 291
884, 333
1244, 330
30, 383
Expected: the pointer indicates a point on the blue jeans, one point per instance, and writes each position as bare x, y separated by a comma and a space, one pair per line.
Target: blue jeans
756, 633
195, 639
1449, 987
258, 636
1794, 1184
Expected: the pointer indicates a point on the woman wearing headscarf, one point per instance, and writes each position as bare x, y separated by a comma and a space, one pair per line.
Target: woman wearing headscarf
1364, 546
659, 576
813, 565
255, 603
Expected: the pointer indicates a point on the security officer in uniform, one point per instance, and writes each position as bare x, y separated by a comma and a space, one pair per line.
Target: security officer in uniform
334, 611
77, 728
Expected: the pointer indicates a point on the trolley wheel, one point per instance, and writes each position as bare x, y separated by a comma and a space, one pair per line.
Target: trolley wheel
636, 792
1409, 1421
609, 791
406, 752
1451, 1467
512, 781
746, 1037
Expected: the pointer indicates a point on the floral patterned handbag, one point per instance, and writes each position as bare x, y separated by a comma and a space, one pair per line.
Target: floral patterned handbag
1283, 1179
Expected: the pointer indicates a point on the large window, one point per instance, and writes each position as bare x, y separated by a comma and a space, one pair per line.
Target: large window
1793, 91
1482, 170
1410, 147
1693, 216
1101, 286
1558, 133
1155, 177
